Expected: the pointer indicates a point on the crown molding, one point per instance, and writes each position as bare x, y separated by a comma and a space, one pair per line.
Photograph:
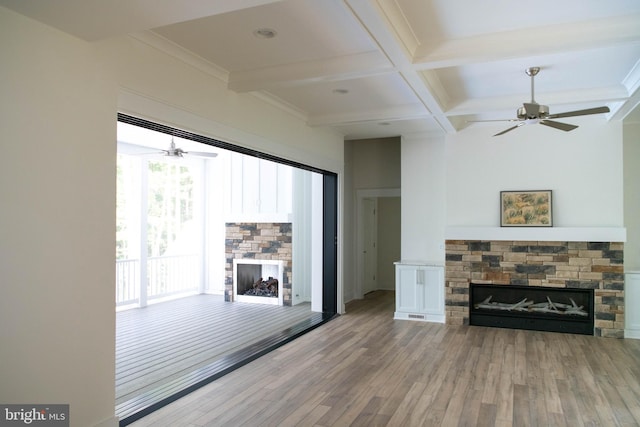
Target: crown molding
164, 45
281, 104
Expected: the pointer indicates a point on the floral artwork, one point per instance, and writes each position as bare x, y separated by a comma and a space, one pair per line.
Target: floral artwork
525, 208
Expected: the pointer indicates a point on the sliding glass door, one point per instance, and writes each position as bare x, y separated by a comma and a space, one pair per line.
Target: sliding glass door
197, 216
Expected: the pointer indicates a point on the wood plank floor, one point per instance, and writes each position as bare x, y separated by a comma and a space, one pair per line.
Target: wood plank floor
366, 369
161, 343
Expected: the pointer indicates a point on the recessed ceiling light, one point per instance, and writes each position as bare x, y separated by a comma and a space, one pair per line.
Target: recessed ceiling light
265, 33
340, 91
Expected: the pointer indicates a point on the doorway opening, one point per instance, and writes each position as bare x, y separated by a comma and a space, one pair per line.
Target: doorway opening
193, 192
378, 239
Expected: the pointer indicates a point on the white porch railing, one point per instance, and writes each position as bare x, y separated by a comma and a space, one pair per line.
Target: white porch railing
127, 281
166, 276
172, 275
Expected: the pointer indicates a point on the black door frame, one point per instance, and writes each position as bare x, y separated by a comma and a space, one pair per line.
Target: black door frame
330, 244
329, 274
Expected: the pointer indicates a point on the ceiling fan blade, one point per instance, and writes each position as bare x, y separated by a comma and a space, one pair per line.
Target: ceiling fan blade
586, 112
148, 153
200, 154
510, 129
495, 120
558, 125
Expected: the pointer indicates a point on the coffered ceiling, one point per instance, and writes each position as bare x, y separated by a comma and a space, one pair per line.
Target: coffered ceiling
378, 68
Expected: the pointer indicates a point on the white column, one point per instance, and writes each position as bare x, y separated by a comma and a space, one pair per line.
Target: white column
301, 239
316, 241
144, 195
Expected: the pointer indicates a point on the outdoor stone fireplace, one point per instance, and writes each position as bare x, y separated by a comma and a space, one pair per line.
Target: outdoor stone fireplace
564, 264
267, 246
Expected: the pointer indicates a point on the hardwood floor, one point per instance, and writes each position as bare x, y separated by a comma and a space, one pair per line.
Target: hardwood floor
366, 369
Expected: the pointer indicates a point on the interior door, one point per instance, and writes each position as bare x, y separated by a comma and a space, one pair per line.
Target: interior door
369, 244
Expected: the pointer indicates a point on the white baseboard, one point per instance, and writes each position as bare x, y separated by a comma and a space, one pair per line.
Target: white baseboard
632, 333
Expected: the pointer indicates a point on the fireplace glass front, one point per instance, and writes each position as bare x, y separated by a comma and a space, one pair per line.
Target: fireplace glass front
567, 310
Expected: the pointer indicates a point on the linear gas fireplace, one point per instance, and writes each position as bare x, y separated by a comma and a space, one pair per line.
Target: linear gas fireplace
531, 307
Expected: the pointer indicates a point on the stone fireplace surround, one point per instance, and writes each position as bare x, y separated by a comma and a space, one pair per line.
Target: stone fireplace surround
561, 264
259, 240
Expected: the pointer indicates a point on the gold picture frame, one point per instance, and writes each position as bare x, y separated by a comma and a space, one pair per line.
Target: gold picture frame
526, 208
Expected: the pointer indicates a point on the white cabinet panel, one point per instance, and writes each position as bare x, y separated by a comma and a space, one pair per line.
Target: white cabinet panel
433, 290
632, 305
406, 289
419, 292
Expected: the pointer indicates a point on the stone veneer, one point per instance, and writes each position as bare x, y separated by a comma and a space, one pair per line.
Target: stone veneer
262, 240
586, 265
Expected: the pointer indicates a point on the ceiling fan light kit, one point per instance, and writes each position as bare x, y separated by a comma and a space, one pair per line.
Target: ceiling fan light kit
534, 113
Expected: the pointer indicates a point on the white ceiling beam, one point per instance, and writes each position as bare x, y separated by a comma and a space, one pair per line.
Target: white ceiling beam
332, 69
530, 42
393, 113
170, 48
376, 22
632, 83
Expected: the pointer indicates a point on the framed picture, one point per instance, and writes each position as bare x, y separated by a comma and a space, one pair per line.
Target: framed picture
525, 208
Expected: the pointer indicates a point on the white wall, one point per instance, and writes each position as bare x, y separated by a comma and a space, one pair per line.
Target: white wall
583, 168
423, 198
376, 163
463, 177
632, 196
349, 240
60, 97
57, 254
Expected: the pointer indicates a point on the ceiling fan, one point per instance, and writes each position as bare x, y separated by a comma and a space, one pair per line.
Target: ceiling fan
174, 151
534, 113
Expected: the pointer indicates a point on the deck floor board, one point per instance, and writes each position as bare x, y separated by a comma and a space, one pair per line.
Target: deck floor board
161, 342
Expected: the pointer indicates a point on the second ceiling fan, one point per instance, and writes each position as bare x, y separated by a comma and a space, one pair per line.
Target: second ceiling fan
174, 151
534, 113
